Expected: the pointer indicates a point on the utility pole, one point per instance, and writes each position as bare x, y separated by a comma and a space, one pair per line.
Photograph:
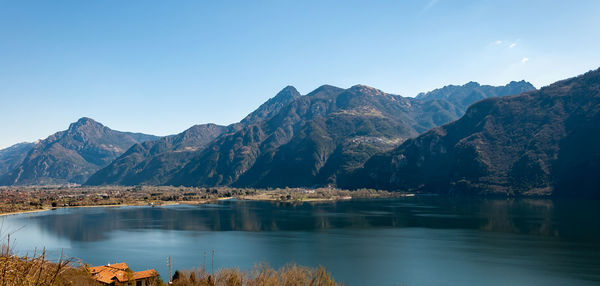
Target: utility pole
212, 264
170, 274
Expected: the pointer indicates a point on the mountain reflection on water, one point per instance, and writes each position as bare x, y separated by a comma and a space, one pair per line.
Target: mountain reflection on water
526, 216
362, 242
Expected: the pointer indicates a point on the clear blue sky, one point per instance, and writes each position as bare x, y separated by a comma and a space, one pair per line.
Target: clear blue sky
161, 66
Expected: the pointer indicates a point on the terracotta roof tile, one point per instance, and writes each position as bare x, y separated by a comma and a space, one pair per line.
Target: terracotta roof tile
121, 266
119, 272
145, 274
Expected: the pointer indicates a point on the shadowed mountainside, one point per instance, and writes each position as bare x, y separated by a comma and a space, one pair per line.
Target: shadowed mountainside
13, 156
71, 156
318, 136
290, 140
536, 143
152, 163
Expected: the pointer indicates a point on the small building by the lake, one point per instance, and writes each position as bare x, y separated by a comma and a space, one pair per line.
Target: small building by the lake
120, 274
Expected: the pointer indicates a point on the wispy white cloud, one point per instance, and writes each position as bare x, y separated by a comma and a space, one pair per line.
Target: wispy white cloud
524, 60
512, 45
429, 5
498, 42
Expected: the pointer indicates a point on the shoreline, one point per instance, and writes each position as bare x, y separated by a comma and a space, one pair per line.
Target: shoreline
23, 212
71, 207
192, 203
24, 200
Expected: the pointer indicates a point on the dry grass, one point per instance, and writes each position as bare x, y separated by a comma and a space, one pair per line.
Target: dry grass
37, 270
261, 275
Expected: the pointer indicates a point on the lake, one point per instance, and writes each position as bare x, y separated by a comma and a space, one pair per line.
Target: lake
406, 241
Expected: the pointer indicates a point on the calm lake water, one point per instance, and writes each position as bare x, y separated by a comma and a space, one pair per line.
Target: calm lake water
409, 241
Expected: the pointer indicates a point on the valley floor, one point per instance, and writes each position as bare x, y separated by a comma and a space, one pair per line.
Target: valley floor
14, 200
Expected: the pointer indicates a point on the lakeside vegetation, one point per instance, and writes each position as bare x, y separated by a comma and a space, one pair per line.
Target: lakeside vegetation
36, 269
262, 274
39, 198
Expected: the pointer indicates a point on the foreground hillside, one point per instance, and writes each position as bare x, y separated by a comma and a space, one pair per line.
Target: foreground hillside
37, 269
537, 143
69, 156
295, 140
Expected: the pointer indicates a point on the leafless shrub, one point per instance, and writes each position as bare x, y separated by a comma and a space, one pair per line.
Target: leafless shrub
261, 275
37, 270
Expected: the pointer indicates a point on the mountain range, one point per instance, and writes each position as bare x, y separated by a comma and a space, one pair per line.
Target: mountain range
69, 156
153, 163
295, 140
468, 139
544, 142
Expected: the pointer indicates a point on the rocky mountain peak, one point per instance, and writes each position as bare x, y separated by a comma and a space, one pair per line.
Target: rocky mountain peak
522, 84
471, 84
273, 105
287, 93
71, 156
365, 89
85, 123
325, 90
473, 90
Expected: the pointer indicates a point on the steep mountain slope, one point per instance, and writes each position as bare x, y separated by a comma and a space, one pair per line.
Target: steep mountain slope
71, 156
315, 138
539, 142
272, 106
267, 143
152, 163
13, 156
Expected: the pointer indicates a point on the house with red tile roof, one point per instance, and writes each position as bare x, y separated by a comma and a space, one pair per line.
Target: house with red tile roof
120, 274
